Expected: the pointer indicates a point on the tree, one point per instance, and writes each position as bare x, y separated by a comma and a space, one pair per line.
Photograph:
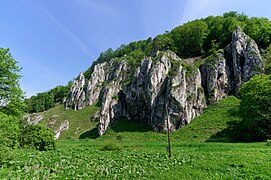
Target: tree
256, 107
37, 137
9, 131
267, 59
259, 29
162, 42
189, 38
11, 95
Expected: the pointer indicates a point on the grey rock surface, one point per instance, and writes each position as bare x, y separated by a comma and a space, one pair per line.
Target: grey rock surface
64, 126
164, 83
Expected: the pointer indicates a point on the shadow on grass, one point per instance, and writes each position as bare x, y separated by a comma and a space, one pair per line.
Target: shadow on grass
233, 132
121, 125
91, 134
124, 125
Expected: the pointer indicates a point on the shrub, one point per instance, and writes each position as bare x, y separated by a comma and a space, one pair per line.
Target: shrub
111, 146
38, 137
268, 142
9, 131
5, 153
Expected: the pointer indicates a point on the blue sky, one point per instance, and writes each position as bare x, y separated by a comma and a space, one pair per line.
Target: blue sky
54, 40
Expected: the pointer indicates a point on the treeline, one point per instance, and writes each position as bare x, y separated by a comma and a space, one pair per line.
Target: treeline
46, 100
194, 38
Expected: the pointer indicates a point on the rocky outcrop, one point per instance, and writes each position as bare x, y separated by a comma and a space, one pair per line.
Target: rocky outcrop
165, 83
94, 85
224, 73
33, 118
246, 58
64, 126
77, 96
216, 76
110, 108
186, 98
85, 92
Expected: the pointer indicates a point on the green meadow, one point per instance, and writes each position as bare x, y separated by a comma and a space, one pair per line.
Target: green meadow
204, 149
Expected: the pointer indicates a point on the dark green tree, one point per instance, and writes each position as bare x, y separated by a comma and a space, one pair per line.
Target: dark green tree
259, 29
163, 42
189, 38
37, 137
267, 59
9, 131
256, 108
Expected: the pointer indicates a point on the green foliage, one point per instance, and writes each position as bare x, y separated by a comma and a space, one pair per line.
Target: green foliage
47, 100
9, 131
220, 29
5, 154
115, 97
256, 107
162, 42
111, 146
267, 59
189, 38
38, 137
11, 95
259, 29
213, 49
268, 142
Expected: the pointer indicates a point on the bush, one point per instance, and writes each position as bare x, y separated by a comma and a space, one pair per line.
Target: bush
256, 108
5, 153
9, 131
268, 142
38, 137
111, 146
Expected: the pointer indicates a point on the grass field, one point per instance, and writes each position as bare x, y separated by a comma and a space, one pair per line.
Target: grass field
85, 159
201, 150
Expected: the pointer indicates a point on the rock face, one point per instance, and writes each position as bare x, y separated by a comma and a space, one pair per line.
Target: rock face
33, 118
85, 92
246, 58
64, 126
77, 95
164, 83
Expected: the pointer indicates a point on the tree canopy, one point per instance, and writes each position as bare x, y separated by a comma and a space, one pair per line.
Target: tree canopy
256, 107
11, 95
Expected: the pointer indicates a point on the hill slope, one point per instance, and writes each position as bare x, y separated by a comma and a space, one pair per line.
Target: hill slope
218, 122
79, 121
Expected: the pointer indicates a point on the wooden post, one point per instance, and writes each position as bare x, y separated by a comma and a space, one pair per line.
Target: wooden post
168, 134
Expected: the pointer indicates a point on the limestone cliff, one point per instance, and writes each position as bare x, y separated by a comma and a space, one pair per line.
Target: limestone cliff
164, 82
